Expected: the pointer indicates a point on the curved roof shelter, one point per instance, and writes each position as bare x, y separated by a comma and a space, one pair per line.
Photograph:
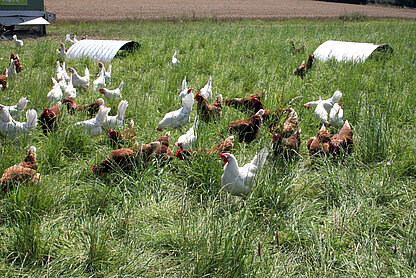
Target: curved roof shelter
99, 50
349, 51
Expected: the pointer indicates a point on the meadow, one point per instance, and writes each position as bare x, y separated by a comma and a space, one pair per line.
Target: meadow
351, 216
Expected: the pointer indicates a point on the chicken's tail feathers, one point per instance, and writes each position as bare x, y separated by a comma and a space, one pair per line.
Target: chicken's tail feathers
87, 72
102, 114
32, 118
120, 87
210, 81
22, 103
184, 86
336, 96
122, 107
260, 158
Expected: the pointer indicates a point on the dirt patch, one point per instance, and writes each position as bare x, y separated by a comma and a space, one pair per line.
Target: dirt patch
120, 10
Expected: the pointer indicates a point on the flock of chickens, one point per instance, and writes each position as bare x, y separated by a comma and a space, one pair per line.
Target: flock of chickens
282, 124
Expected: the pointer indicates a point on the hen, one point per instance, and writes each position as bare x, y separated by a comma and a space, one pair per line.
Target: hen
187, 140
239, 180
16, 59
80, 81
94, 125
112, 121
225, 146
174, 60
206, 92
17, 42
61, 73
185, 91
247, 129
107, 74
55, 94
319, 146
180, 117
3, 80
24, 171
69, 90
68, 39
91, 109
116, 93
13, 129
323, 107
208, 112
11, 71
128, 136
335, 116
286, 140
17, 109
243, 104
61, 51
100, 81
342, 140
48, 118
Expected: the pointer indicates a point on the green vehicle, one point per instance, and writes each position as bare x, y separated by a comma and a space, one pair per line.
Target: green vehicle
24, 17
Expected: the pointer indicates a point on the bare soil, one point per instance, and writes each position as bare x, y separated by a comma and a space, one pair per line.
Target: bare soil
121, 10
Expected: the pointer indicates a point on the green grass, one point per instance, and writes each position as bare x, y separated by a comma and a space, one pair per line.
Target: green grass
352, 216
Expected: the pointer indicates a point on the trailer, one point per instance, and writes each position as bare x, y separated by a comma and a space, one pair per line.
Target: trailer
24, 17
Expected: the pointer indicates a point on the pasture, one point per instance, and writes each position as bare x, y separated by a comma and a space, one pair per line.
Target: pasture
351, 216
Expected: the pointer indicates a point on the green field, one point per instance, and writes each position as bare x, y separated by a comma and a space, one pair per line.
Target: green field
352, 216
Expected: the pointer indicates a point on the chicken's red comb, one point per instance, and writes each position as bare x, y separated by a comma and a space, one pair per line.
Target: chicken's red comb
178, 151
92, 169
339, 104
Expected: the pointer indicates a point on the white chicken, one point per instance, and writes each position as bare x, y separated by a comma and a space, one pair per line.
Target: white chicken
11, 71
17, 109
61, 73
206, 92
70, 90
187, 140
107, 74
68, 39
61, 51
80, 81
335, 116
100, 81
55, 94
112, 121
116, 93
185, 90
94, 125
239, 180
178, 117
18, 43
174, 59
13, 129
323, 107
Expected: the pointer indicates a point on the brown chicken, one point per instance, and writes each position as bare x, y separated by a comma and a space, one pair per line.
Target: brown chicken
16, 60
309, 63
243, 104
269, 114
247, 129
286, 138
91, 109
303, 68
342, 140
225, 146
24, 171
3, 80
127, 137
206, 111
319, 145
48, 118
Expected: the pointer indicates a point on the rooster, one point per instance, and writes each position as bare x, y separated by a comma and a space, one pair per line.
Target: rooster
239, 180
92, 108
17, 109
247, 129
107, 74
174, 60
244, 104
100, 81
24, 171
116, 93
225, 146
208, 112
48, 118
13, 129
323, 107
342, 140
186, 140
80, 81
17, 43
112, 121
94, 125
180, 117
206, 92
55, 94
128, 136
319, 145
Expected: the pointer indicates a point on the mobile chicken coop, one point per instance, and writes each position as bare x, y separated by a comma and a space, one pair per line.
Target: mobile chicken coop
24, 17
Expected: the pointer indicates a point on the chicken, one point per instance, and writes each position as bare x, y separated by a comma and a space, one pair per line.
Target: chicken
185, 91
17, 109
300, 70
22, 172
18, 43
244, 104
342, 140
78, 81
116, 93
55, 94
180, 117
206, 92
208, 112
335, 116
92, 108
3, 80
297, 49
269, 114
164, 139
174, 60
128, 136
94, 125
13, 129
68, 39
100, 81
69, 90
48, 118
309, 63
61, 73
323, 107
11, 71
287, 139
107, 74
61, 51
239, 180
120, 159
225, 146
16, 59
247, 129
319, 145
112, 121
187, 140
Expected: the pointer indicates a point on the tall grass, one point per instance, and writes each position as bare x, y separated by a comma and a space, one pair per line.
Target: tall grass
304, 217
